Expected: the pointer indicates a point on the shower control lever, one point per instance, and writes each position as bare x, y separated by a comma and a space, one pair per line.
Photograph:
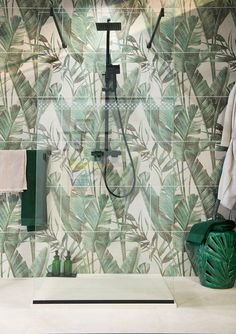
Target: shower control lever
100, 154
97, 154
113, 69
110, 77
114, 153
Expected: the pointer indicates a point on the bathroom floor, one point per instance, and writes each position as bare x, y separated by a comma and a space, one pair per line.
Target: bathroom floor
104, 289
198, 310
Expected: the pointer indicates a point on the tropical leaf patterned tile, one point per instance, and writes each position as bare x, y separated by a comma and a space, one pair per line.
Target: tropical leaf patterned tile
171, 99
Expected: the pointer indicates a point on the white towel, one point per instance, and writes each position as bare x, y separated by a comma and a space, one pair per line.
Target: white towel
227, 185
12, 171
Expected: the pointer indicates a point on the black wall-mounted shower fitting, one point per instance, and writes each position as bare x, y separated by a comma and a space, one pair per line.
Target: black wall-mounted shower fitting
110, 86
149, 44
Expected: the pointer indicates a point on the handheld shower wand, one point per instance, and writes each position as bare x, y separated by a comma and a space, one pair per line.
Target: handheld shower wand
110, 85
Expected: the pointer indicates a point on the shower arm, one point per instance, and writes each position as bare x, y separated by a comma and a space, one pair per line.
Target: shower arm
149, 44
64, 45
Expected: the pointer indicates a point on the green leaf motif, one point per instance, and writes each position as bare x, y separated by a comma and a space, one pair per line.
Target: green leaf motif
163, 42
40, 263
17, 264
219, 85
202, 92
26, 95
72, 219
43, 82
120, 185
184, 211
33, 21
121, 11
9, 212
185, 122
178, 88
9, 220
186, 131
130, 85
161, 210
131, 261
98, 213
12, 35
144, 268
108, 264
161, 120
70, 31
186, 33
10, 123
203, 183
97, 217
178, 238
212, 14
188, 40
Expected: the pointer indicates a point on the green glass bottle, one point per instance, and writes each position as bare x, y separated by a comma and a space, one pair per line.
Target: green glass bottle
56, 265
68, 265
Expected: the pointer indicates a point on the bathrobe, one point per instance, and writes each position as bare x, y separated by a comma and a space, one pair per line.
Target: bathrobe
227, 185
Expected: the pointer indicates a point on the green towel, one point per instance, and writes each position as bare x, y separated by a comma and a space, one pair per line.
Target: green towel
33, 200
199, 232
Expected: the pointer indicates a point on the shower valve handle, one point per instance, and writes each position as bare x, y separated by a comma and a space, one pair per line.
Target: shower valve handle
114, 153
113, 69
110, 77
100, 154
97, 154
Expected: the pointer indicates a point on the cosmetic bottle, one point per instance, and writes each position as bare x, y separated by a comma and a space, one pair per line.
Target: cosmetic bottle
56, 265
68, 265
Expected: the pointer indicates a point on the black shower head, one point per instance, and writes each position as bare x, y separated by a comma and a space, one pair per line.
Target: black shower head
108, 26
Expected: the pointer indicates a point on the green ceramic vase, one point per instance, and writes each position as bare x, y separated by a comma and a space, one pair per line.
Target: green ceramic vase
216, 260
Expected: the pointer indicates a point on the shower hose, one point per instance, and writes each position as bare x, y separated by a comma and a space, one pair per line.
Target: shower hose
130, 158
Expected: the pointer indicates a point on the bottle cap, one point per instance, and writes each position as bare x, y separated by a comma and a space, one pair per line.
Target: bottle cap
56, 254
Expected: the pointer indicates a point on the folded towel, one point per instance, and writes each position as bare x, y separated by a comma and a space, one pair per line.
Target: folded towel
12, 171
199, 232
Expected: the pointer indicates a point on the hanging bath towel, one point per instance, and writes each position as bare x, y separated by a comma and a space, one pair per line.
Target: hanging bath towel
227, 185
12, 171
34, 199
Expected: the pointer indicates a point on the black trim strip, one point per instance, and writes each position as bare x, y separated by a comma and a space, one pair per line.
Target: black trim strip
108, 301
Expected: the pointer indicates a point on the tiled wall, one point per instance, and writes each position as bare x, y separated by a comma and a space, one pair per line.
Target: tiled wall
171, 99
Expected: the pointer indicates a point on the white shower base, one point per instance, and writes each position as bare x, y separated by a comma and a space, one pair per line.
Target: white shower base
103, 289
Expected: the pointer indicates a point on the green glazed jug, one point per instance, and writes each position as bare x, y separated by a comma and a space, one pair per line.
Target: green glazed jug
216, 260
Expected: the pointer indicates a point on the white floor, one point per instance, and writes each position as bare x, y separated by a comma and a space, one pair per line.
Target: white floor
199, 310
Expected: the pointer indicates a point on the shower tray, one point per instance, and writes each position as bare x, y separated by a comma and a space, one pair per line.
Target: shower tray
103, 289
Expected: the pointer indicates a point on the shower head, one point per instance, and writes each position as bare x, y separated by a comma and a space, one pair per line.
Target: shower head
108, 26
